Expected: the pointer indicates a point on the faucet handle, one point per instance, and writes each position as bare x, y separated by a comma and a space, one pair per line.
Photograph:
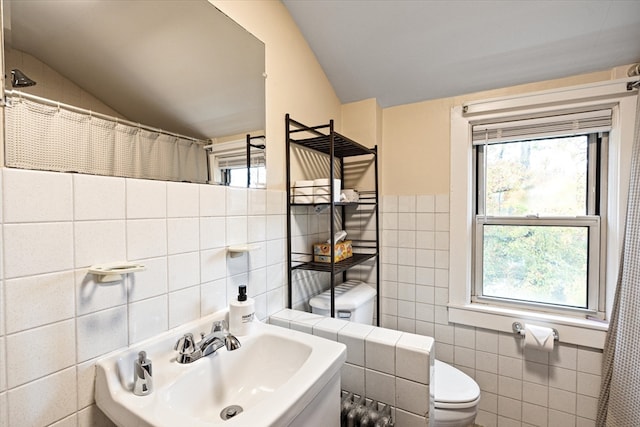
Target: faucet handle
219, 326
186, 344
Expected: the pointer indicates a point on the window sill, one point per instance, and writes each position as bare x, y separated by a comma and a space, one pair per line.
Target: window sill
583, 332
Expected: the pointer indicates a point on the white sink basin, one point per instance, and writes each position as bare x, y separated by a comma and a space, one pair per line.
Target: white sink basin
275, 376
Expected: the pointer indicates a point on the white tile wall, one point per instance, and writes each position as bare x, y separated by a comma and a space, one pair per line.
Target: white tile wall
54, 226
382, 364
518, 387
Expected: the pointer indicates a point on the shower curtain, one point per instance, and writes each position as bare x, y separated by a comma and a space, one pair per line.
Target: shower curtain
619, 403
46, 137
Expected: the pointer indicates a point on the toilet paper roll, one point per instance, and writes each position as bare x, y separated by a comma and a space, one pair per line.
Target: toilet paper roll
538, 337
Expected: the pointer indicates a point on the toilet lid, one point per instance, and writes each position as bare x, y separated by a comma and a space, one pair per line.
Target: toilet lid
453, 387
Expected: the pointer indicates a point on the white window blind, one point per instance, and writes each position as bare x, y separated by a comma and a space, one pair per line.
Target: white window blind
541, 127
233, 155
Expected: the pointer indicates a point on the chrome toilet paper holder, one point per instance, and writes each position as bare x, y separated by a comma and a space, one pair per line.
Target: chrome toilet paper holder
518, 329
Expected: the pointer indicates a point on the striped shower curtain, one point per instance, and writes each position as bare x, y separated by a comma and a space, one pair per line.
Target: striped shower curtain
619, 404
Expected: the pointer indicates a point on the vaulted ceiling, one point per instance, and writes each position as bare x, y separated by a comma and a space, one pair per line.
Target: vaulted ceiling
407, 51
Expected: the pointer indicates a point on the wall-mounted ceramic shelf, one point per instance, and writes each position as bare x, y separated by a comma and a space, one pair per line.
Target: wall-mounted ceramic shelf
112, 272
237, 250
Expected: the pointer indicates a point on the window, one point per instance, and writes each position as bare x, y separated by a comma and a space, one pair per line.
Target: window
535, 117
537, 237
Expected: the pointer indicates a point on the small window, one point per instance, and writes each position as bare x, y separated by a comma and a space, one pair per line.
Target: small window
538, 236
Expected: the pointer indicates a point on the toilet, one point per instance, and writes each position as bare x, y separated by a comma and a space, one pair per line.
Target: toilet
456, 397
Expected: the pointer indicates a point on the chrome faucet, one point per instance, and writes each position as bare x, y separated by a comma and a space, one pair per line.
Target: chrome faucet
189, 351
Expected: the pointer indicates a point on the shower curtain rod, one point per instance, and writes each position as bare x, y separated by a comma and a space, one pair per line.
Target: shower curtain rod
90, 113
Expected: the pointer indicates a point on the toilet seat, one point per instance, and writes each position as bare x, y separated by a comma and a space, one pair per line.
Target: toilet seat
453, 389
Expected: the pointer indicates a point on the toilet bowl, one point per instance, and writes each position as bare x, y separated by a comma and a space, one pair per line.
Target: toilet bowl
456, 397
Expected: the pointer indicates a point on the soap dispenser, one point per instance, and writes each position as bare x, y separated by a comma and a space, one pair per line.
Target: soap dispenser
142, 375
241, 313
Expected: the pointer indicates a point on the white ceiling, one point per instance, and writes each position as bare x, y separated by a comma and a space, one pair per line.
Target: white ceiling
407, 51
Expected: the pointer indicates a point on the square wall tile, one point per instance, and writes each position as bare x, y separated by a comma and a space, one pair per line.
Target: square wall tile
389, 204
184, 306
276, 300
237, 202
328, 328
257, 202
3, 366
589, 360
31, 249
151, 282
213, 296
352, 379
406, 203
380, 350
147, 318
257, 283
101, 332
86, 373
305, 322
183, 199
183, 235
184, 270
407, 419
380, 386
92, 296
562, 400
213, 264
256, 228
564, 356
442, 202
146, 238
36, 196
536, 394
276, 202
412, 397
50, 348
353, 335
236, 230
425, 203
275, 227
44, 401
146, 198
38, 300
213, 200
213, 232
2, 306
413, 357
98, 242
564, 379
98, 197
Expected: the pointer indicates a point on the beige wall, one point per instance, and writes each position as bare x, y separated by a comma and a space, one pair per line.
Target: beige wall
415, 139
296, 84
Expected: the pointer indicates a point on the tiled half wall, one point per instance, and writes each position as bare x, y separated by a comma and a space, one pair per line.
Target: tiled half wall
519, 388
382, 364
55, 320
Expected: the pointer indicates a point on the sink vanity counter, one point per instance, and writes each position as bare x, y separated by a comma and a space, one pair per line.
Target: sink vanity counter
278, 377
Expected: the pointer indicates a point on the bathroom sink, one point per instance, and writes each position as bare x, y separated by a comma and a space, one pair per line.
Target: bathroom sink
274, 377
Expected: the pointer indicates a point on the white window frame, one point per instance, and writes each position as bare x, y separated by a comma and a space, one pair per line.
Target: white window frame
590, 220
609, 94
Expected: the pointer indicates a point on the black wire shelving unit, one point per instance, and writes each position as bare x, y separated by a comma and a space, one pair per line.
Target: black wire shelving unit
325, 140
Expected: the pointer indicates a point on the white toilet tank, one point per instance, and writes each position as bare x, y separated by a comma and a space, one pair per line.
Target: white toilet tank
354, 302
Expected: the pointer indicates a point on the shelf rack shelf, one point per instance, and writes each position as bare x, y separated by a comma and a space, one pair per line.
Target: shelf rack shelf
323, 139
